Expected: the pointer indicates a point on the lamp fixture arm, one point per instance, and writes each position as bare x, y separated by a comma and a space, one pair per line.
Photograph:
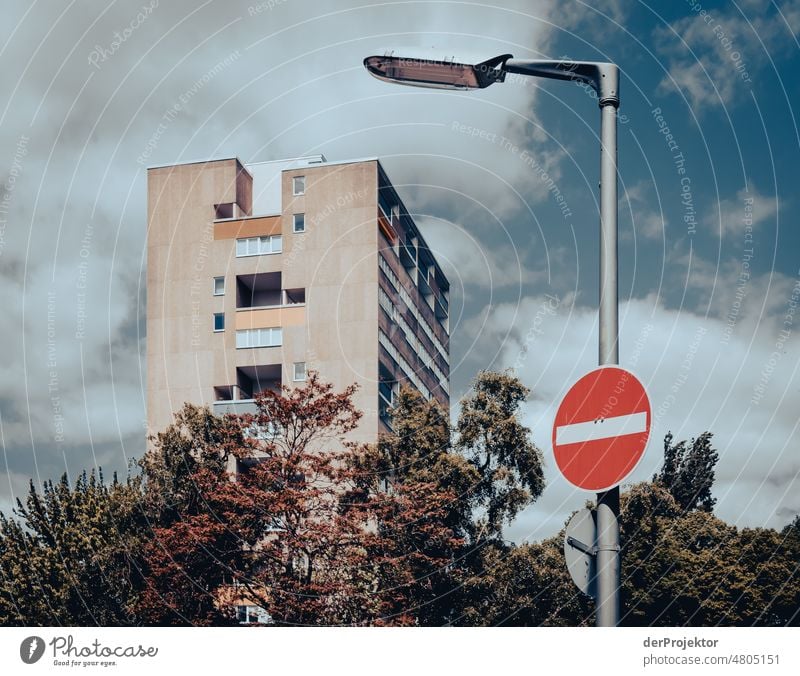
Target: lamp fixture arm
603, 77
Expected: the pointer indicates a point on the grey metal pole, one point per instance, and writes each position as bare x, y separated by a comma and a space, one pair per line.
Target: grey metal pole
609, 321
608, 557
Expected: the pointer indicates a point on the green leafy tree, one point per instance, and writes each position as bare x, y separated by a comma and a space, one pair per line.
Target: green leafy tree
684, 568
448, 497
688, 471
764, 580
526, 586
69, 556
490, 435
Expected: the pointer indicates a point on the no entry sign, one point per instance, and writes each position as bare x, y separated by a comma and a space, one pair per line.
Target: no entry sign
601, 428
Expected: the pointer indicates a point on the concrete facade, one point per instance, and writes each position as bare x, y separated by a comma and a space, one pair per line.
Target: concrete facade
335, 278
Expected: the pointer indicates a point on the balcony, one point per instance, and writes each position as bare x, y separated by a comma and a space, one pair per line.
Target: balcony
241, 227
424, 287
440, 308
261, 302
234, 406
250, 380
408, 254
386, 227
387, 394
262, 289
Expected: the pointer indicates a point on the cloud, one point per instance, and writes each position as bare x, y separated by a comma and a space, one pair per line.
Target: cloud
472, 261
637, 209
594, 19
714, 54
750, 209
214, 80
461, 160
700, 374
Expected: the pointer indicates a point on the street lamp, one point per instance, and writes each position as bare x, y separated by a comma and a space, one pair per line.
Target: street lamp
604, 79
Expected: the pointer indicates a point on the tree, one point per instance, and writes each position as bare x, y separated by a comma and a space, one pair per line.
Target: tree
764, 580
447, 501
196, 540
70, 556
526, 586
688, 472
509, 466
197, 441
277, 534
684, 568
423, 512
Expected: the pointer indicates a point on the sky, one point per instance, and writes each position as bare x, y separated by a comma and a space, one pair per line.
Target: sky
709, 249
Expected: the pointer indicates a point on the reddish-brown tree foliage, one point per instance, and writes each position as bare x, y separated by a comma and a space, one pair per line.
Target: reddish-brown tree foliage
312, 529
283, 533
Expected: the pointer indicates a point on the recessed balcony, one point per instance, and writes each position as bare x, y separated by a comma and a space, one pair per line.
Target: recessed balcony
250, 380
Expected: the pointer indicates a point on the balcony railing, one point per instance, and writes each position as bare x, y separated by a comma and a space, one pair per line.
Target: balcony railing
236, 406
440, 308
408, 255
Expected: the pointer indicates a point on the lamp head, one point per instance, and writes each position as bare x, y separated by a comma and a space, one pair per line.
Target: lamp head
437, 74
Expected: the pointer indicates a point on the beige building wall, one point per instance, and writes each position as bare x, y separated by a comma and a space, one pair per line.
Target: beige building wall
182, 348
334, 260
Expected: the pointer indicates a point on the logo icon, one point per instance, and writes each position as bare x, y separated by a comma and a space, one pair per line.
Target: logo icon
31, 649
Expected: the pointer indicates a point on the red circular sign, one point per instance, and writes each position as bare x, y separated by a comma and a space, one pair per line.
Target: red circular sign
601, 428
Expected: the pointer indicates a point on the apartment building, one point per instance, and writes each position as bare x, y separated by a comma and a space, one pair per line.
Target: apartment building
258, 273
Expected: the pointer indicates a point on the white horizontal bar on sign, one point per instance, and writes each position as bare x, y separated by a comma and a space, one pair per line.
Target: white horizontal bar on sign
603, 428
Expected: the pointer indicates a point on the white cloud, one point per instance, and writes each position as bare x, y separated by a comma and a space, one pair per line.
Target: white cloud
750, 209
469, 260
714, 57
640, 208
298, 86
699, 375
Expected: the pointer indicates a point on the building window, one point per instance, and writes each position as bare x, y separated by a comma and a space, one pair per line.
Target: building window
272, 337
299, 371
219, 321
261, 432
219, 286
258, 246
247, 614
299, 185
299, 223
